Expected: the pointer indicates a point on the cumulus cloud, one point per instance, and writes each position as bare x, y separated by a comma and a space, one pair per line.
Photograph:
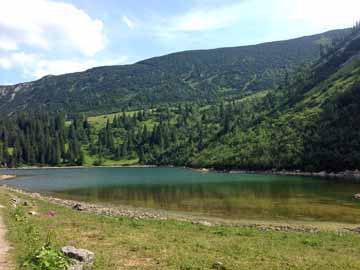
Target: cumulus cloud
49, 25
18, 59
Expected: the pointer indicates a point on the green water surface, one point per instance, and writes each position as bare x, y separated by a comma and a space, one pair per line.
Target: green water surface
230, 196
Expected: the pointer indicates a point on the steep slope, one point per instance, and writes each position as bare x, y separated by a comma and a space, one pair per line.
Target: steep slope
312, 125
194, 75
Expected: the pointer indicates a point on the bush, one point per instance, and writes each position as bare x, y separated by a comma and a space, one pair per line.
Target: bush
46, 258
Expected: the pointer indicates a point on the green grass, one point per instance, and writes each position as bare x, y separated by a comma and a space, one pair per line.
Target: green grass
100, 120
90, 159
124, 243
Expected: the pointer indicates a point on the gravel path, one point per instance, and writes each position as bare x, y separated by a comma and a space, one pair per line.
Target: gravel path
4, 247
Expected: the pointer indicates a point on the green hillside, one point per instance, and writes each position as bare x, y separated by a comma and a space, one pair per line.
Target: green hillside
310, 121
311, 125
204, 76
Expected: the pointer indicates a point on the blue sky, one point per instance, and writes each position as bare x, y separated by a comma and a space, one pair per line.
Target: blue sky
40, 37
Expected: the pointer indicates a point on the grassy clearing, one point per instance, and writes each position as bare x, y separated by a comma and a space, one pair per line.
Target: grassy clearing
123, 243
89, 161
100, 120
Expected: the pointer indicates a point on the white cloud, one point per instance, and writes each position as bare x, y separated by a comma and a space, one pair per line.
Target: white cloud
18, 59
8, 45
57, 67
206, 19
332, 14
128, 22
49, 25
37, 66
5, 63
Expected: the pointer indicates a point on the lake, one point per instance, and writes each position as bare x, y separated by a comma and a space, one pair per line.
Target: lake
230, 196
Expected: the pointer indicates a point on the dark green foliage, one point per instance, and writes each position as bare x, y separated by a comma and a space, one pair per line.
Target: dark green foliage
46, 258
313, 125
42, 139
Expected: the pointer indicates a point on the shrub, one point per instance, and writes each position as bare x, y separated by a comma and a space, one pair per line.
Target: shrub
46, 258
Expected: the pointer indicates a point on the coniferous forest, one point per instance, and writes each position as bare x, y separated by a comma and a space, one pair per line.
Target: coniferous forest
308, 121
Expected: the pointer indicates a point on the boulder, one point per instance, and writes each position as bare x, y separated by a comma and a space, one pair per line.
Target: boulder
357, 196
75, 265
79, 256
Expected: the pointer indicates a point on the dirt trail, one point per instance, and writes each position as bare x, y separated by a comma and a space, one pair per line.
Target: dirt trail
4, 247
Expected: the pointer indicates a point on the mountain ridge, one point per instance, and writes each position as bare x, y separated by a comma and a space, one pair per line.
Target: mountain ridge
203, 75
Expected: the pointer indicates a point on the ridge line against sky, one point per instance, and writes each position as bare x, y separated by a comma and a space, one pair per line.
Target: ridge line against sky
41, 37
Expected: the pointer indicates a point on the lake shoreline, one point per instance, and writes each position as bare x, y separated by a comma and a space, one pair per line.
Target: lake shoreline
137, 213
329, 175
7, 177
80, 167
347, 174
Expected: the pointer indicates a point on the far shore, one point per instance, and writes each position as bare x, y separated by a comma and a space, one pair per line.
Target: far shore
336, 175
78, 167
345, 174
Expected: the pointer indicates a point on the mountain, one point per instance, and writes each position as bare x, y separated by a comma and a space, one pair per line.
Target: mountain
313, 124
204, 75
310, 121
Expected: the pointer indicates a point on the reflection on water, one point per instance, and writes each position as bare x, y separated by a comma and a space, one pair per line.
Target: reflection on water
235, 196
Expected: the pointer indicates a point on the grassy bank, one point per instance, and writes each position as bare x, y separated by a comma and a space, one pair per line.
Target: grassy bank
124, 243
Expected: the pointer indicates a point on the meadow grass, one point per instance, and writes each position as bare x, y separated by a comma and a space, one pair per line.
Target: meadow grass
125, 243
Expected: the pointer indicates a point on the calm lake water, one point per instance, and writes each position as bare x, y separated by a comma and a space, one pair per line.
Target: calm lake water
232, 196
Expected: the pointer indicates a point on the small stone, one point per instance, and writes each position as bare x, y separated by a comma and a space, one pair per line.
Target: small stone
357, 196
15, 200
203, 223
80, 255
79, 207
25, 203
33, 213
218, 266
51, 214
36, 195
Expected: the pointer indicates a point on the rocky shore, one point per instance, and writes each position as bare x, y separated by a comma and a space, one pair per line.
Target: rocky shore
7, 177
153, 214
339, 175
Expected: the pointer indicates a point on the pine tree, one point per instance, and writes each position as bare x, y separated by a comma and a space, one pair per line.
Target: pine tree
124, 149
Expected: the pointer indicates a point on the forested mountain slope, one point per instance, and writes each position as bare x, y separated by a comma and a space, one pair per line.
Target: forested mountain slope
310, 121
187, 76
313, 124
